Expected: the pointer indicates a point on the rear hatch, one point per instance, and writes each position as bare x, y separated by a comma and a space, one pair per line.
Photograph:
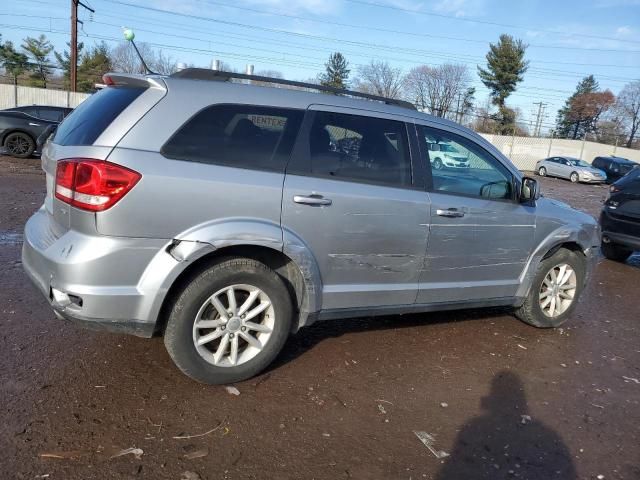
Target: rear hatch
91, 131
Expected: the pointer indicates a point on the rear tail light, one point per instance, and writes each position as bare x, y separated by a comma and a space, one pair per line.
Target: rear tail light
93, 185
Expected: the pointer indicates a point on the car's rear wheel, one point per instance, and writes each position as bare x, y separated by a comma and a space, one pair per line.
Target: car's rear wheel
19, 145
230, 322
615, 252
555, 290
437, 164
574, 177
542, 172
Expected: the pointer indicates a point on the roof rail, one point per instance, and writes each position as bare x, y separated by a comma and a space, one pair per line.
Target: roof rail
206, 74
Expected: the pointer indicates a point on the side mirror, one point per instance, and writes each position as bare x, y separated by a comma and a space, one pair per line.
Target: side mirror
530, 191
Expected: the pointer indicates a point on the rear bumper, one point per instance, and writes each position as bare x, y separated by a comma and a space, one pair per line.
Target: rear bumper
93, 281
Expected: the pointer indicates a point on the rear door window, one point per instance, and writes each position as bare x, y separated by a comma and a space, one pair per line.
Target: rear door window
87, 121
243, 136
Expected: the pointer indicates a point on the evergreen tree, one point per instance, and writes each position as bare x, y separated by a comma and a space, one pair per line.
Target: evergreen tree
38, 49
64, 60
93, 65
13, 62
505, 69
337, 71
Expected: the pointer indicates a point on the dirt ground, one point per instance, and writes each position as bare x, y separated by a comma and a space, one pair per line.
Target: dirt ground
343, 400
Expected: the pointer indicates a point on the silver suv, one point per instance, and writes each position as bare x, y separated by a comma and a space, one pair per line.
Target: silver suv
226, 216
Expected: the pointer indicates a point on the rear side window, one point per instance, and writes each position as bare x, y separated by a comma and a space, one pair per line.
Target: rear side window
51, 114
85, 124
242, 136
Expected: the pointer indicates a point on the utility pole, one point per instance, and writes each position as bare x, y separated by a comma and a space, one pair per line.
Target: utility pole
458, 113
73, 70
536, 130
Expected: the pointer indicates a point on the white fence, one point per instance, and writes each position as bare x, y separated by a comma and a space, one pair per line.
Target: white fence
524, 152
12, 96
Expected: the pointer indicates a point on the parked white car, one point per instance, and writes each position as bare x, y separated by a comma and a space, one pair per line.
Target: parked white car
444, 155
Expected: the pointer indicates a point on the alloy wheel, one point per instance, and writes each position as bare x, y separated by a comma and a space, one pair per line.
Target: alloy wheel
558, 290
17, 145
233, 325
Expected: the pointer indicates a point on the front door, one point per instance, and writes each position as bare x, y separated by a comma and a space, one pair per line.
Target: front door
351, 196
480, 236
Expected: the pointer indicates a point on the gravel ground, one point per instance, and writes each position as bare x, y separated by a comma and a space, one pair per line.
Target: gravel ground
343, 400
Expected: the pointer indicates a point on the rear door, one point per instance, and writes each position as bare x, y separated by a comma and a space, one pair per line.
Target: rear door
480, 236
352, 196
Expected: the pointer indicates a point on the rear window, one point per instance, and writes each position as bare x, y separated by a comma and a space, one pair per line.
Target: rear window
85, 124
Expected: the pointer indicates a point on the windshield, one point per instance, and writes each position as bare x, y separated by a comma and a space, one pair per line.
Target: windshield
447, 148
626, 168
578, 163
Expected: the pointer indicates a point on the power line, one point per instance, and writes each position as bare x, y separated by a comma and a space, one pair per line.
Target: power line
365, 27
394, 48
485, 22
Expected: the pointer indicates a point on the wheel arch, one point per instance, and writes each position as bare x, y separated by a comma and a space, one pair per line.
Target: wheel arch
569, 239
298, 280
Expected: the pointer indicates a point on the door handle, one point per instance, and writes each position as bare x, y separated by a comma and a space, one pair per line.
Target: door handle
34, 124
316, 200
450, 212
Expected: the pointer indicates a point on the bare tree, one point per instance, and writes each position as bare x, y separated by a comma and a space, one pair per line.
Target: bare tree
162, 64
437, 89
379, 78
628, 108
124, 59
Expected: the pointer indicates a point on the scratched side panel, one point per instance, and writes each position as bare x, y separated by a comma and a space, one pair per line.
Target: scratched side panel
369, 244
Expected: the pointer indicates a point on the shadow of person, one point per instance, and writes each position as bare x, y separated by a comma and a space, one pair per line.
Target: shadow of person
505, 443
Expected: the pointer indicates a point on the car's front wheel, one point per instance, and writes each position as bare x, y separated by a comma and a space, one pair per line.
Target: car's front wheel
437, 164
542, 172
574, 177
230, 322
615, 252
19, 145
555, 290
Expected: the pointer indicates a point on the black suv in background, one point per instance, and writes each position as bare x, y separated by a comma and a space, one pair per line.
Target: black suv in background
620, 218
614, 167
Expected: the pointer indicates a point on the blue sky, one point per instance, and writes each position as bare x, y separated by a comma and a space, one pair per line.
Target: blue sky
568, 39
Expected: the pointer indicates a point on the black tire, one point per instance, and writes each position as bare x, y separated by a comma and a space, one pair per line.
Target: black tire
178, 336
542, 172
530, 311
615, 252
574, 177
19, 145
437, 164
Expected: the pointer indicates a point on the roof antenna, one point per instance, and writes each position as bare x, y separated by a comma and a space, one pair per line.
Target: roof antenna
129, 35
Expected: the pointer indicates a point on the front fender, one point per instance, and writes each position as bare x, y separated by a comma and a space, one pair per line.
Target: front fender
577, 234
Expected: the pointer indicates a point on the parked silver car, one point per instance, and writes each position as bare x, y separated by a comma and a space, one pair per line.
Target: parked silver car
226, 216
570, 168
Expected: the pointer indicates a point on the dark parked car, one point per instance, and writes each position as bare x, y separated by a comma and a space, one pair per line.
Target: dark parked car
20, 127
620, 218
614, 167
